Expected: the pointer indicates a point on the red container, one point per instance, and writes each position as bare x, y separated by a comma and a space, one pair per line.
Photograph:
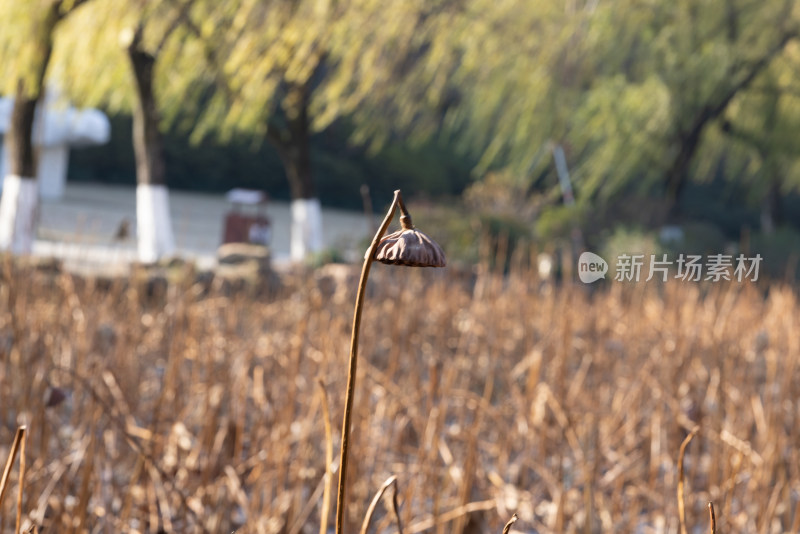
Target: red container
243, 227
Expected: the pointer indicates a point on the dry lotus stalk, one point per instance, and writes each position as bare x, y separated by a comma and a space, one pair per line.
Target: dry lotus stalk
406, 247
409, 247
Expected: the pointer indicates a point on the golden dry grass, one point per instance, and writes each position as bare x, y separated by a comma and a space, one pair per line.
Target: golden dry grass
200, 411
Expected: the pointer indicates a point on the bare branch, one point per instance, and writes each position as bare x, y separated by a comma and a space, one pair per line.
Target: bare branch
183, 14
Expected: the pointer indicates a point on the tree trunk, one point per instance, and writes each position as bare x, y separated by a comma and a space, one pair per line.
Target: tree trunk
293, 144
154, 226
18, 207
147, 142
772, 206
306, 227
689, 139
678, 172
21, 154
295, 155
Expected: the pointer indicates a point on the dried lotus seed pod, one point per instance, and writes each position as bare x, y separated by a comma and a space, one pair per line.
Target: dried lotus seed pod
410, 247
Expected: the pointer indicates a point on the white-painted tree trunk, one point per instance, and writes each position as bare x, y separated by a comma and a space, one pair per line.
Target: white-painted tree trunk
306, 229
153, 223
18, 207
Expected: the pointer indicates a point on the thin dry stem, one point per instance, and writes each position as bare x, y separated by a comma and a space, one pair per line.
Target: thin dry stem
353, 366
396, 511
511, 521
18, 437
450, 515
326, 493
681, 502
712, 518
23, 441
391, 481
304, 514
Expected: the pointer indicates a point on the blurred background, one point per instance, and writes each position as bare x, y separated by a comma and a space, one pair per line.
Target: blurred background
623, 122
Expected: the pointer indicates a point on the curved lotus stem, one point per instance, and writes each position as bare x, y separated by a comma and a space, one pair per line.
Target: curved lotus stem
420, 254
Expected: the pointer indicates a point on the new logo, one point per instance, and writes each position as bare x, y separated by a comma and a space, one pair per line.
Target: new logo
591, 267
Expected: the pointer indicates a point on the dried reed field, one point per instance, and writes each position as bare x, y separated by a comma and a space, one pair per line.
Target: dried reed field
192, 407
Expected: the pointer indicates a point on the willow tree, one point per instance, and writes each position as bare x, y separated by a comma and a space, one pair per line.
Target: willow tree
122, 46
26, 46
630, 88
698, 62
760, 147
710, 56
289, 68
519, 72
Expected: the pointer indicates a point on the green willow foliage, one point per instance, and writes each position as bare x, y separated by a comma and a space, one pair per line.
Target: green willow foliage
644, 96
